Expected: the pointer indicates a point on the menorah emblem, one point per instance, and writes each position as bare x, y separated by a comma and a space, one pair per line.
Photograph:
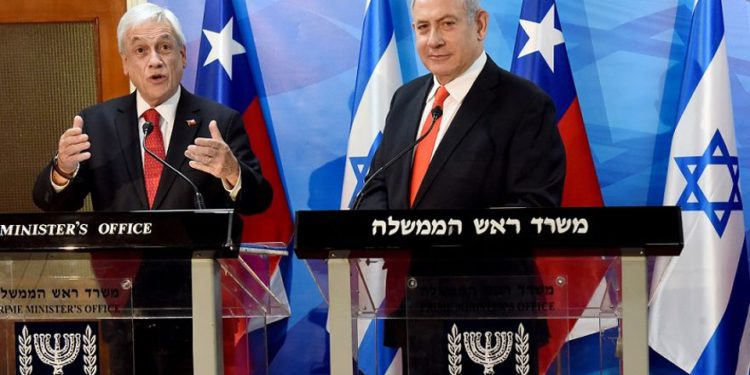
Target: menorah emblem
57, 355
57, 349
488, 354
488, 349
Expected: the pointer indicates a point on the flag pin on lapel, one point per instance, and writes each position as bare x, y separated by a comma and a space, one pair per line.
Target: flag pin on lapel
191, 122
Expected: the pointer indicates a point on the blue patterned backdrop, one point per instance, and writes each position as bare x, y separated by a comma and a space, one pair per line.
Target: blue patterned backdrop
626, 60
627, 63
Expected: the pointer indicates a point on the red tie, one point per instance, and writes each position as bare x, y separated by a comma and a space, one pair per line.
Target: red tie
151, 167
424, 150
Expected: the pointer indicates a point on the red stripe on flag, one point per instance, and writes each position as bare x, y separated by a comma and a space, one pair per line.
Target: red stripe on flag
581, 275
581, 185
274, 224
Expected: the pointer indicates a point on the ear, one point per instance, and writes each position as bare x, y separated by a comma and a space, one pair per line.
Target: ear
124, 59
183, 55
481, 22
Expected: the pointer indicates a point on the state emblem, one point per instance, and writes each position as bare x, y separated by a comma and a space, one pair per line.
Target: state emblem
57, 348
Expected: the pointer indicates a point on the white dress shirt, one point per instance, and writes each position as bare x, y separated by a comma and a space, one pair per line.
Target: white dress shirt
167, 112
457, 90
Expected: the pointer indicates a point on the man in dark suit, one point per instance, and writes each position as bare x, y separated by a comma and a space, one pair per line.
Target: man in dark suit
102, 155
497, 144
494, 143
112, 164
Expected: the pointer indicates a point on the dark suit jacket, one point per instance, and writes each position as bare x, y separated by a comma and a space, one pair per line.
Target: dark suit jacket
113, 176
501, 149
114, 173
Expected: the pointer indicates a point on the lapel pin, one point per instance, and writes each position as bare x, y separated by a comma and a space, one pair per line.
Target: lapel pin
191, 122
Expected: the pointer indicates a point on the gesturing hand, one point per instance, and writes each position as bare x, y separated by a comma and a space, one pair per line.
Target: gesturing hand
213, 156
71, 149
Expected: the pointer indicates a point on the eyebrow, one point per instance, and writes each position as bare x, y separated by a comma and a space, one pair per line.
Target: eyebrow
164, 36
443, 18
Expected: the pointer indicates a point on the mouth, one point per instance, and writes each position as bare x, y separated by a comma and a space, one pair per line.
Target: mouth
438, 57
157, 78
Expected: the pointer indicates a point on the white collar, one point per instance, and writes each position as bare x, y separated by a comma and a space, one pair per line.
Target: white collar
167, 109
460, 86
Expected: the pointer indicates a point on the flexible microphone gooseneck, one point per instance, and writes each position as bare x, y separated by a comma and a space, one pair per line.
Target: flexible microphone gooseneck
436, 113
148, 127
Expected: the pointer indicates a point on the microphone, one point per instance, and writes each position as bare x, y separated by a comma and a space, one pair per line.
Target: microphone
148, 127
436, 113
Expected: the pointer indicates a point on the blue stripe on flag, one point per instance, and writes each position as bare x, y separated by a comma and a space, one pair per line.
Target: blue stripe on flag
558, 84
721, 353
706, 34
374, 357
684, 323
361, 165
377, 32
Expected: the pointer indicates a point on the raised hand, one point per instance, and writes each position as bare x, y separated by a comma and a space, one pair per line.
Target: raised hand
72, 149
213, 156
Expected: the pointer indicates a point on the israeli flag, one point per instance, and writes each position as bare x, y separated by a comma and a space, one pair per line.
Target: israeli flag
699, 310
378, 77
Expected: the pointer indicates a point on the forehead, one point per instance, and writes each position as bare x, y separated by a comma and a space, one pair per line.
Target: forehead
149, 32
425, 10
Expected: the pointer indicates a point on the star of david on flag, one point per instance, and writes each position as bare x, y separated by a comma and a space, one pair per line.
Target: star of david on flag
698, 316
694, 199
360, 166
378, 77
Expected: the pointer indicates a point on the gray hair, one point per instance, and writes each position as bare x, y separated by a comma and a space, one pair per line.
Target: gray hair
472, 7
148, 12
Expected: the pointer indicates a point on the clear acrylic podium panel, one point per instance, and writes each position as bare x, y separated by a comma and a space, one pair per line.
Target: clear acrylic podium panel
444, 320
77, 312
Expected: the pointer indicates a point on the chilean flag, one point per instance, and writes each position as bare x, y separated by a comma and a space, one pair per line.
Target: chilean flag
225, 76
540, 56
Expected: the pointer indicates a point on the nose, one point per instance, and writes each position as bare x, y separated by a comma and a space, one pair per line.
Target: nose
154, 60
436, 39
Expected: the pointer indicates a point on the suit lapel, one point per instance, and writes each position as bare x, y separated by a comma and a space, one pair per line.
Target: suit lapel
476, 102
126, 128
409, 128
182, 136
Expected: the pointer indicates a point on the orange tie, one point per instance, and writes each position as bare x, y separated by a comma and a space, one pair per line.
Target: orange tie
424, 149
151, 167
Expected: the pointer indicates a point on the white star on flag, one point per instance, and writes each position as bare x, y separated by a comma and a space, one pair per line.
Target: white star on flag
223, 47
543, 37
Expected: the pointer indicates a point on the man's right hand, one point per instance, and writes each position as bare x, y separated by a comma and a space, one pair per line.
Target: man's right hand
71, 150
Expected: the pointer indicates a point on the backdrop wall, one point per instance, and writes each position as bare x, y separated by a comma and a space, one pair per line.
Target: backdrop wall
626, 58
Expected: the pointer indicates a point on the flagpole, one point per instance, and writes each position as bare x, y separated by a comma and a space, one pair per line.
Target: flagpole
634, 312
340, 316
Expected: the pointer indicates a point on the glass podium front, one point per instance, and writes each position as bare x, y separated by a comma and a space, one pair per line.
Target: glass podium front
506, 303
157, 306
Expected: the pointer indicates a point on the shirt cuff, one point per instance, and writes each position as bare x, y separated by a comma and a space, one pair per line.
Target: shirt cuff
59, 188
233, 191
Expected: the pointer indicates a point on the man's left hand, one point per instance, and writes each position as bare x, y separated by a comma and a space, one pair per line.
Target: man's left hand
213, 156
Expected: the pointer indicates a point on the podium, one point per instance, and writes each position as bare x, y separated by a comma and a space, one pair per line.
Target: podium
514, 266
112, 293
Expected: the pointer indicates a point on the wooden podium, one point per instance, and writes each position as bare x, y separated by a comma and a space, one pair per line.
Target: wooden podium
452, 256
77, 289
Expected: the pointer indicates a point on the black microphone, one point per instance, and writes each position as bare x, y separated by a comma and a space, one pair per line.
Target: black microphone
148, 127
436, 113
